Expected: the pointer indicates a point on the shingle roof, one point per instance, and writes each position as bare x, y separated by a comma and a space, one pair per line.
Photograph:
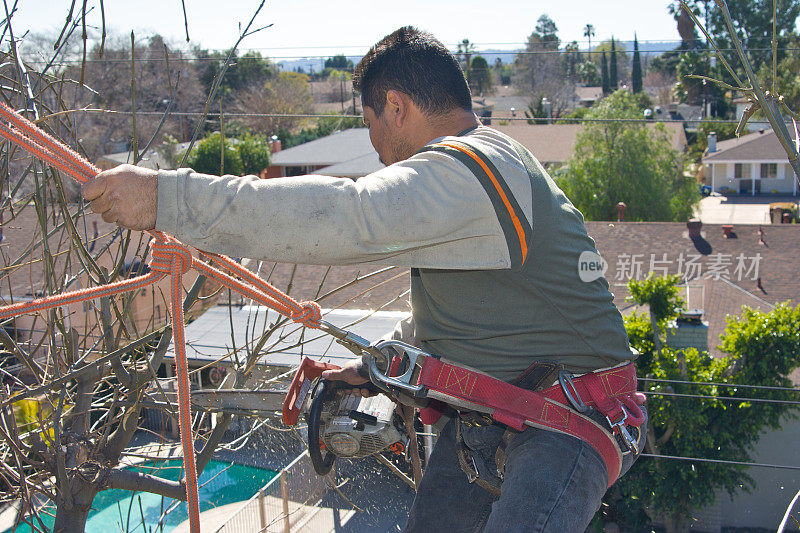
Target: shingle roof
355, 168
729, 269
332, 149
622, 245
761, 145
555, 143
589, 94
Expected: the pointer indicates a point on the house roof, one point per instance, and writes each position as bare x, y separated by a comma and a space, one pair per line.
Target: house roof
728, 275
588, 94
338, 147
354, 168
555, 143
150, 159
761, 145
724, 273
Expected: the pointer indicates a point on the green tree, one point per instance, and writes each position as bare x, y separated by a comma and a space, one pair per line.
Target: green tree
254, 153
761, 348
339, 62
548, 32
572, 59
210, 157
613, 77
464, 53
753, 22
481, 76
616, 160
248, 155
588, 75
636, 69
604, 74
588, 32
248, 70
787, 82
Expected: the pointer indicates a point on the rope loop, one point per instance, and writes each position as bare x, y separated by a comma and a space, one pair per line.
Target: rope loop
165, 252
309, 314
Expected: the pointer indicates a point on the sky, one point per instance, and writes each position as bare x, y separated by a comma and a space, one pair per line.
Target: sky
315, 27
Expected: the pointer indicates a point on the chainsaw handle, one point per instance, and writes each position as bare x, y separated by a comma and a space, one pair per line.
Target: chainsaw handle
308, 371
322, 463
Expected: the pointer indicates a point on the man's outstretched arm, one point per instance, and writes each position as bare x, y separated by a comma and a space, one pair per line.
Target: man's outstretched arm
424, 212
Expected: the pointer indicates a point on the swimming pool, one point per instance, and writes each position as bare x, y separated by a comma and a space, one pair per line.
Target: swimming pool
122, 510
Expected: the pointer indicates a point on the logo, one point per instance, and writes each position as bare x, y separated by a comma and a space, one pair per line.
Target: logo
591, 266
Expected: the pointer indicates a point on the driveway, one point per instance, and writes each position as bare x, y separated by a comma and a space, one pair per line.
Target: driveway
737, 209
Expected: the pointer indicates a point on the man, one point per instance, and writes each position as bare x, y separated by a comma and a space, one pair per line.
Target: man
494, 247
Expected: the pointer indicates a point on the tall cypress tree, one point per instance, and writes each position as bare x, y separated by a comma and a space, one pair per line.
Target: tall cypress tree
604, 74
636, 69
612, 74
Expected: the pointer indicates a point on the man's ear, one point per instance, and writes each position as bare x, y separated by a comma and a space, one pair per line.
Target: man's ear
397, 107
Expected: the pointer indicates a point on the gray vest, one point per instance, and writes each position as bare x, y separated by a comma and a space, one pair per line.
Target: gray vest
501, 321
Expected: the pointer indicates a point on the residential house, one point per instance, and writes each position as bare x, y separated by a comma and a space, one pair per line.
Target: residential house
751, 164
151, 158
554, 144
349, 152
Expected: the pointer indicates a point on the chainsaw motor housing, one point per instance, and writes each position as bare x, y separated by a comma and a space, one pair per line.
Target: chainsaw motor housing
350, 426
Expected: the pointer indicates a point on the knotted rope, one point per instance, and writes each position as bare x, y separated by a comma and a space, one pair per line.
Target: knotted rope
169, 257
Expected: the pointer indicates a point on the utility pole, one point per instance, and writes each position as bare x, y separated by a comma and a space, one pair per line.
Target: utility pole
341, 91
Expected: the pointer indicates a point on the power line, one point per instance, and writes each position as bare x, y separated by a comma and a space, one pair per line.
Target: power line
323, 115
358, 56
717, 384
720, 398
720, 461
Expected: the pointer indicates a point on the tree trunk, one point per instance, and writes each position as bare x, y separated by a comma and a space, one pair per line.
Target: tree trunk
675, 524
656, 338
72, 520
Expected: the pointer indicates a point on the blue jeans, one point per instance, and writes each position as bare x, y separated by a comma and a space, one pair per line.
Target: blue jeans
553, 483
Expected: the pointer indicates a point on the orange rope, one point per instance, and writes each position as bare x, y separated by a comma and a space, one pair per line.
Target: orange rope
169, 257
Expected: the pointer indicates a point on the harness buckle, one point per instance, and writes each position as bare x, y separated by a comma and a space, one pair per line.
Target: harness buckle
619, 426
565, 380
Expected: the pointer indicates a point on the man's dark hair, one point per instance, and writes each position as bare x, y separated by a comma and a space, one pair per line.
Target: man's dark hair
416, 63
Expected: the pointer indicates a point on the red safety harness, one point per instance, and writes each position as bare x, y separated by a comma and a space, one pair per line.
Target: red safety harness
563, 407
568, 407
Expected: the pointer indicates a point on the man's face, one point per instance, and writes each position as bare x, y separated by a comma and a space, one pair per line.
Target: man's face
386, 138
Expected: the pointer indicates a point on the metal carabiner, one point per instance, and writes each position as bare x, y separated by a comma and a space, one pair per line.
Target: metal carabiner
403, 382
627, 438
564, 379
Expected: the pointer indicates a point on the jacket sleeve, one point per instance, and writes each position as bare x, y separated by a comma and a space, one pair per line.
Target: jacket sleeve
428, 211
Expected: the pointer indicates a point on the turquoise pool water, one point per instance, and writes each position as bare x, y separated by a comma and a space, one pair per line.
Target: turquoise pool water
121, 510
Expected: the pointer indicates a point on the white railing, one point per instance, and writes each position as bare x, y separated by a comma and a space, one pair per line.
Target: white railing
287, 503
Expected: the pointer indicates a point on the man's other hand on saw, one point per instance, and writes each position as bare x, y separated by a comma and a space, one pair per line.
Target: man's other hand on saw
126, 195
353, 373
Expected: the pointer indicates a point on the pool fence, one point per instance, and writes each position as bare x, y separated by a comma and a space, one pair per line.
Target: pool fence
289, 502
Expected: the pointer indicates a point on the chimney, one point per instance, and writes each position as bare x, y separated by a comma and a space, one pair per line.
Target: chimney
621, 212
727, 231
274, 144
688, 331
694, 226
712, 142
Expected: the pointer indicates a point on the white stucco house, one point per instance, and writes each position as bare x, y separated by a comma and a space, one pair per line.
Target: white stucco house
751, 164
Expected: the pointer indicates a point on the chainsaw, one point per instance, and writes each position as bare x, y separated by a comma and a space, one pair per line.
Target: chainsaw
339, 424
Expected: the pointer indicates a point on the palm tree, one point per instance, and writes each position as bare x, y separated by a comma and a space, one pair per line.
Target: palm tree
588, 31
